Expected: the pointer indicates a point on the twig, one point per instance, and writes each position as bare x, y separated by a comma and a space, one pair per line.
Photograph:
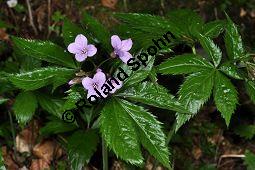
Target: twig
13, 135
105, 155
31, 20
49, 18
229, 156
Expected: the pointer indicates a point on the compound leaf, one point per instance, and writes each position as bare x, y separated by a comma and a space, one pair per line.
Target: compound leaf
194, 92
184, 64
154, 95
233, 41
213, 29
225, 96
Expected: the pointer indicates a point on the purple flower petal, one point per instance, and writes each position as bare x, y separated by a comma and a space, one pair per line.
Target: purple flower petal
90, 93
125, 56
126, 45
116, 42
87, 83
92, 50
99, 78
80, 57
81, 41
71, 82
73, 48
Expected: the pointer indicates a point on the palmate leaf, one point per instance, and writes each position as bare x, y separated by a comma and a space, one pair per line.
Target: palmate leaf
184, 64
212, 49
119, 122
44, 50
249, 160
41, 77
25, 106
99, 32
250, 88
81, 146
231, 70
194, 92
188, 21
50, 104
225, 96
213, 29
233, 41
154, 95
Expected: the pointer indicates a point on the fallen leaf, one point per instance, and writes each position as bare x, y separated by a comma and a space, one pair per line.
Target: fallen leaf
3, 35
242, 12
197, 152
45, 150
39, 164
109, 3
8, 161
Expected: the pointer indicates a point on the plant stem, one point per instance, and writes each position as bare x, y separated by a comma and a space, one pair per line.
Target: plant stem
13, 135
105, 155
194, 50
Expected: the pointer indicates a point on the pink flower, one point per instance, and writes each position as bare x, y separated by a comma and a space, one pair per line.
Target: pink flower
121, 48
81, 48
94, 85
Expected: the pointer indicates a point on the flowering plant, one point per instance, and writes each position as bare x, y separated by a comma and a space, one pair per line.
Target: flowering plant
118, 78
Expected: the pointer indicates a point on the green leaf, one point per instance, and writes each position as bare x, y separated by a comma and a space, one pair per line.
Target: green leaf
44, 50
50, 104
245, 131
194, 92
250, 89
154, 95
120, 133
233, 41
249, 160
231, 70
119, 127
81, 146
56, 126
2, 166
211, 48
184, 64
41, 77
74, 95
25, 106
71, 30
187, 20
213, 29
98, 31
225, 96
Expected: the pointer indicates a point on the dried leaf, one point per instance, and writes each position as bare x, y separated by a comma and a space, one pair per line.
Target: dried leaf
109, 3
39, 164
45, 150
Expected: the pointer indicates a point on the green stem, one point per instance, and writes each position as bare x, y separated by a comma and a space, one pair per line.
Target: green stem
104, 62
194, 50
105, 155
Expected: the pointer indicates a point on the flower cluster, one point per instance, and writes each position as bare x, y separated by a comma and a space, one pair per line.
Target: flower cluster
99, 85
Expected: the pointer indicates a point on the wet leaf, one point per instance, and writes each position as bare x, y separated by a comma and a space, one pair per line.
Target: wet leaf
41, 77
45, 50
225, 96
231, 70
127, 117
214, 28
211, 48
154, 95
184, 64
194, 92
233, 41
